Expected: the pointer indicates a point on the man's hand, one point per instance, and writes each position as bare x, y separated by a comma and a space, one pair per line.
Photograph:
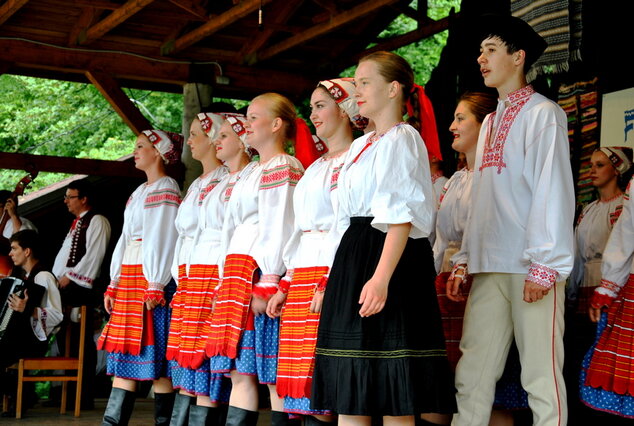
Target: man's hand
533, 292
10, 207
64, 281
16, 303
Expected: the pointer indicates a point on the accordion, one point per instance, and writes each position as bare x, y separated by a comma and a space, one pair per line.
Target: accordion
8, 286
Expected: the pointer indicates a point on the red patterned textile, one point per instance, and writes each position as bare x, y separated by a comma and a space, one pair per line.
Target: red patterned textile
612, 364
298, 334
232, 306
452, 316
176, 321
130, 326
196, 301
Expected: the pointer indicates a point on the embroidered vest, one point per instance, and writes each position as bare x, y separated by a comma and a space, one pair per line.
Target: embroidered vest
78, 244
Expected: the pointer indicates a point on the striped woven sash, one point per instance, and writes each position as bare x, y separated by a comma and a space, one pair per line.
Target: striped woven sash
298, 334
125, 332
232, 306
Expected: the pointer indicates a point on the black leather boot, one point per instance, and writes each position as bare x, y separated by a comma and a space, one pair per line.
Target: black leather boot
119, 408
279, 418
180, 413
163, 404
314, 421
241, 417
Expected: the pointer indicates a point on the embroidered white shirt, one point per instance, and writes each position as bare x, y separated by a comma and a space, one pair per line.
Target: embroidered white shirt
87, 269
453, 212
186, 221
522, 209
149, 217
618, 256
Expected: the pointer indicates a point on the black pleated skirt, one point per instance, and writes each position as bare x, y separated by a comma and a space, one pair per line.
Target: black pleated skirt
392, 363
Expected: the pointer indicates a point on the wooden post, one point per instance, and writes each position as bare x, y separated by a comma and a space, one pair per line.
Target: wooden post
196, 98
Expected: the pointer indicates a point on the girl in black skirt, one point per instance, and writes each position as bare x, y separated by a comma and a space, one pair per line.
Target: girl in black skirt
380, 347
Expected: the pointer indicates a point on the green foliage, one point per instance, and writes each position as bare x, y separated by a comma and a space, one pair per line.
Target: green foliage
67, 119
422, 55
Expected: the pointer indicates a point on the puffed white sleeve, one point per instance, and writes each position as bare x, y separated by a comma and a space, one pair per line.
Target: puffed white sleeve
617, 256
49, 314
116, 262
97, 238
549, 228
159, 237
276, 221
403, 183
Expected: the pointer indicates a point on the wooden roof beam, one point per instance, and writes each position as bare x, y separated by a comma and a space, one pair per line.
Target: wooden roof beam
281, 15
111, 21
336, 22
392, 43
110, 90
85, 20
192, 7
215, 24
9, 8
79, 166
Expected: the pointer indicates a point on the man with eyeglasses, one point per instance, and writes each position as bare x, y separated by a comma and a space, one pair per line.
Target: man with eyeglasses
78, 264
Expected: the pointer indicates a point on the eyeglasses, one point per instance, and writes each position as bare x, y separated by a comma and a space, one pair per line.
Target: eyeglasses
70, 197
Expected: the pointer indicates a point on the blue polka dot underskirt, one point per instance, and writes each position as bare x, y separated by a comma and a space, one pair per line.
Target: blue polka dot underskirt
257, 353
599, 399
150, 364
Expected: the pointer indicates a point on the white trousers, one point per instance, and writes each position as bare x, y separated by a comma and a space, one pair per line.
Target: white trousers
495, 313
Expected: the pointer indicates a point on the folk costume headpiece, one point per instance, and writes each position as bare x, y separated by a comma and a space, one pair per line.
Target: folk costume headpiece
237, 122
515, 32
168, 144
211, 124
619, 156
343, 91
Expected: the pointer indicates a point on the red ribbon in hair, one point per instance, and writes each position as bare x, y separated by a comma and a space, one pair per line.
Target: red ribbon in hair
428, 130
307, 149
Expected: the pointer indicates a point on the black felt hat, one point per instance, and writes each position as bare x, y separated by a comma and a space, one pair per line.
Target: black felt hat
515, 32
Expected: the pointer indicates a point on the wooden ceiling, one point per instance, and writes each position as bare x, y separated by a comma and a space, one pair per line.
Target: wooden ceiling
162, 44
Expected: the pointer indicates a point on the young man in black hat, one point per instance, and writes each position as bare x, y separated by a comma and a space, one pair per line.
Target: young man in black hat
519, 240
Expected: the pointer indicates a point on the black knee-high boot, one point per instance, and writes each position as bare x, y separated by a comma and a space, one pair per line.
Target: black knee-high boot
163, 404
241, 417
314, 421
279, 418
182, 405
119, 408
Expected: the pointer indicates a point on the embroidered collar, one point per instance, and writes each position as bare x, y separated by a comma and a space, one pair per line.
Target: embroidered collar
520, 95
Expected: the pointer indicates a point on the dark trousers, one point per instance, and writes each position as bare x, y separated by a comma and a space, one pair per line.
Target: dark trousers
74, 295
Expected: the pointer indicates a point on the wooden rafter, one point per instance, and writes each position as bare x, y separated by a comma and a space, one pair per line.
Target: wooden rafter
433, 27
336, 22
120, 102
9, 8
217, 23
191, 6
134, 68
280, 15
77, 61
85, 20
79, 166
111, 21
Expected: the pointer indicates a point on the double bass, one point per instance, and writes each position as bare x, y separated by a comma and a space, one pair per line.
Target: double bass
6, 265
